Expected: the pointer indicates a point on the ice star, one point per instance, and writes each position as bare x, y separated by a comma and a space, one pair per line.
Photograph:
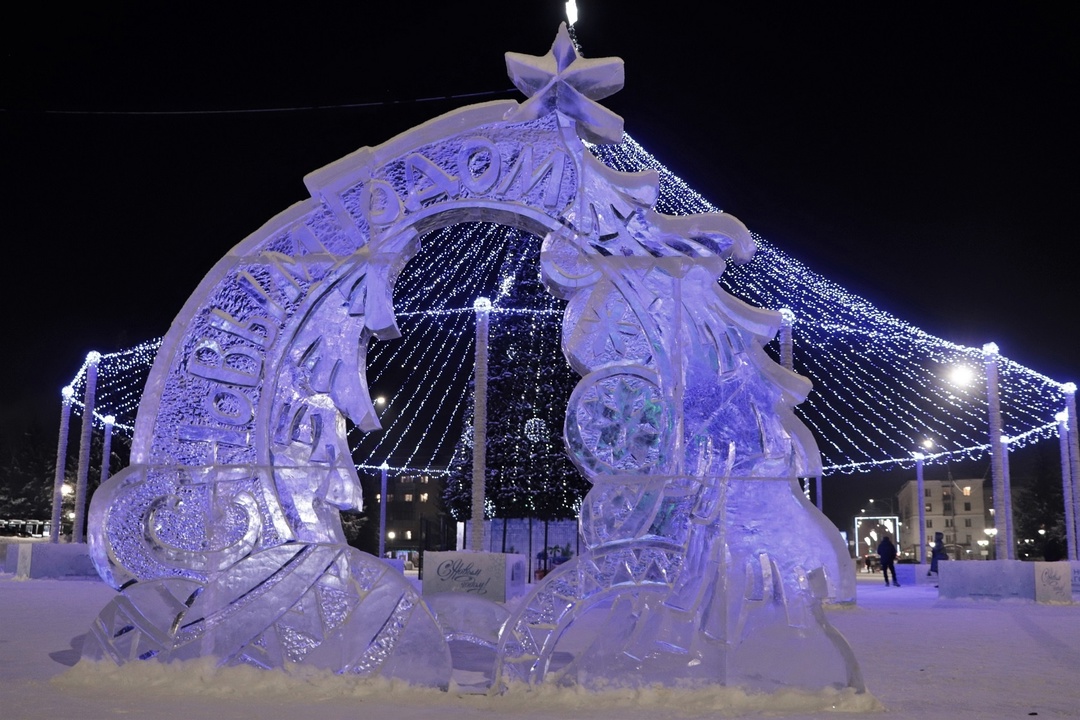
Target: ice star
563, 80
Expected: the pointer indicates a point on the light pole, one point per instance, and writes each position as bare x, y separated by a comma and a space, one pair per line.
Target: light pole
1010, 535
1067, 484
66, 395
963, 376
892, 507
1074, 456
482, 307
997, 463
78, 530
920, 491
992, 533
382, 510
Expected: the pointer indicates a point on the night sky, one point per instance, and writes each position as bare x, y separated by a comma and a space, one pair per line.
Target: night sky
922, 156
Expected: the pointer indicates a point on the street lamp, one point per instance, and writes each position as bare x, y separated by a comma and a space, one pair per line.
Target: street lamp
892, 508
920, 492
482, 308
992, 533
964, 376
382, 509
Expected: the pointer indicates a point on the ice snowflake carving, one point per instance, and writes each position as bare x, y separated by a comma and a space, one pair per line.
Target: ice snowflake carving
619, 423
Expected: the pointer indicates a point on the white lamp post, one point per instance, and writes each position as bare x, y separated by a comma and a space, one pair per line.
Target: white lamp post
78, 532
482, 307
920, 493
382, 509
1067, 483
1010, 536
992, 532
997, 466
66, 396
1074, 459
106, 448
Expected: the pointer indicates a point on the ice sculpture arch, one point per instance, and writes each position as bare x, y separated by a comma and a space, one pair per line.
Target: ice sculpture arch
705, 563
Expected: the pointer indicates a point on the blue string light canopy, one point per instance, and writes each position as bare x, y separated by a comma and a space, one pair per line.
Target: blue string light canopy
882, 386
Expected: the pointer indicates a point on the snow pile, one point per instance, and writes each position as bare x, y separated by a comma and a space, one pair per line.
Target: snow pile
162, 684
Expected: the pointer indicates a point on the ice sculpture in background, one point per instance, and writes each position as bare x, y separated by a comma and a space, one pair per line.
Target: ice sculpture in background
705, 563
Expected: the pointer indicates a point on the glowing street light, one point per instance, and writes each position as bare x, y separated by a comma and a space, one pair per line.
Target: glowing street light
482, 308
571, 12
992, 533
382, 509
964, 376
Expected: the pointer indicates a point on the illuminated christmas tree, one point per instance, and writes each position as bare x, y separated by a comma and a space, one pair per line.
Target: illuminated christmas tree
529, 382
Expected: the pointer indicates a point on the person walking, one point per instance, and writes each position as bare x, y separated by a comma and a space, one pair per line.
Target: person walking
886, 550
937, 553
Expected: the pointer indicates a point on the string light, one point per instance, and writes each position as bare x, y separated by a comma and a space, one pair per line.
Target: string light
880, 385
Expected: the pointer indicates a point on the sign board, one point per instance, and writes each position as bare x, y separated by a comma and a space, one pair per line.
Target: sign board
494, 576
1053, 582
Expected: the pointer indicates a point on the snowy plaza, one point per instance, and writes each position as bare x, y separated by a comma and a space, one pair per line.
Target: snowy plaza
692, 391
923, 658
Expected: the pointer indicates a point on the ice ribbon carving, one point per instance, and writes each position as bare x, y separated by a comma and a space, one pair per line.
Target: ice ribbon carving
704, 563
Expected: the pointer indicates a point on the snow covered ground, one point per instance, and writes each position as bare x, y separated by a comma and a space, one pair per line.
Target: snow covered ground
921, 656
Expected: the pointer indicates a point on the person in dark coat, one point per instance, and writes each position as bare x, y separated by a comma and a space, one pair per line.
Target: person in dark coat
937, 552
886, 550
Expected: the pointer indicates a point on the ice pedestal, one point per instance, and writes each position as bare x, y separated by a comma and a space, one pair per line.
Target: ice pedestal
1052, 582
48, 560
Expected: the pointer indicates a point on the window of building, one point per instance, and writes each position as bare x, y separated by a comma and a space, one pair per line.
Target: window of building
967, 522
968, 541
926, 493
929, 524
929, 507
423, 497
967, 507
946, 506
966, 490
948, 522
408, 497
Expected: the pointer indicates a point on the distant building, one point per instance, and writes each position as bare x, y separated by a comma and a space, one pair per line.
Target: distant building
415, 520
961, 509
